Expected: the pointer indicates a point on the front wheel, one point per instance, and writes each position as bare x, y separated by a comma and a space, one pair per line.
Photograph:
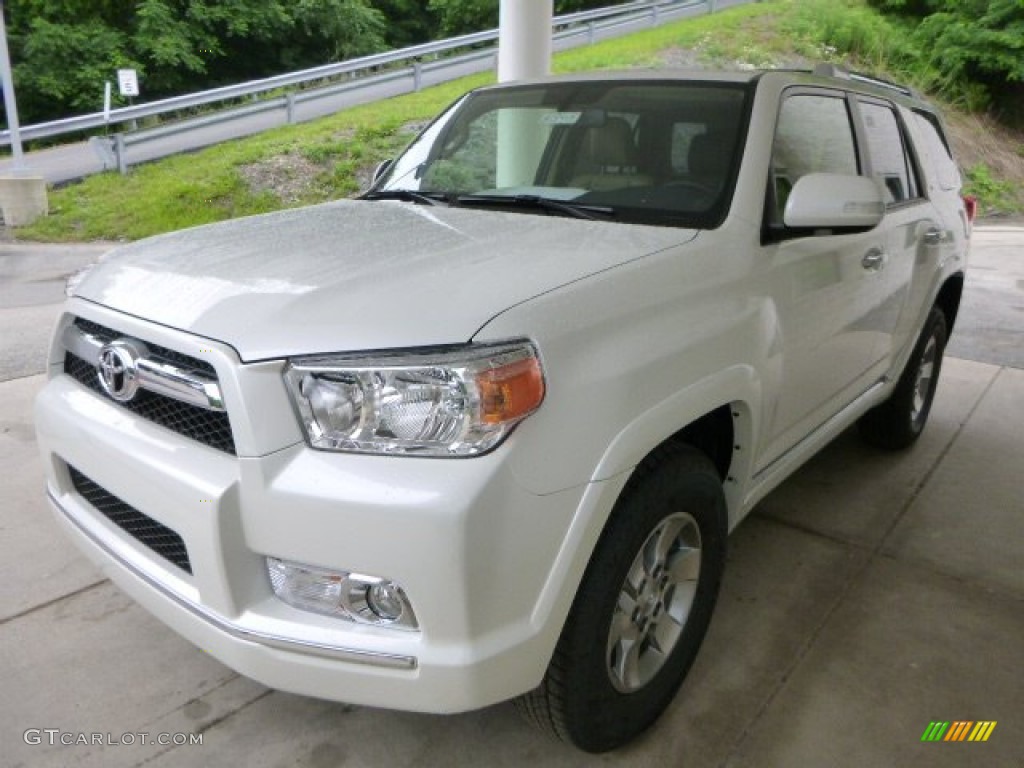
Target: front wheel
899, 421
642, 609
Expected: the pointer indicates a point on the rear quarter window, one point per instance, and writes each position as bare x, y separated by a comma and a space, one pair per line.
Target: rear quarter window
938, 160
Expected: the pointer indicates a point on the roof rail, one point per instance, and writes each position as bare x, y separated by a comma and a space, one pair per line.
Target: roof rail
834, 70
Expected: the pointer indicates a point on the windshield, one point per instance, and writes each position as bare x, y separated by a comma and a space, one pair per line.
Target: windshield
661, 152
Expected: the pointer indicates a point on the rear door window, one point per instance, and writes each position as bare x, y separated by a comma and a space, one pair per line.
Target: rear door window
890, 162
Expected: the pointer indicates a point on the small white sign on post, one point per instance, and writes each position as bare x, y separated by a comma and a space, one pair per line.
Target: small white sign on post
128, 82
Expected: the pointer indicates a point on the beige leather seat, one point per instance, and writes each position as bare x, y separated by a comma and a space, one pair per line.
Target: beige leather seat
607, 158
708, 161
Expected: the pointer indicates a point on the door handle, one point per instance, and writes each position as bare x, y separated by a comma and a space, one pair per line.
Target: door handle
932, 237
873, 260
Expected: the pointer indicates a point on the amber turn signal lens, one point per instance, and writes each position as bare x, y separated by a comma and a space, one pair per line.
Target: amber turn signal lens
511, 391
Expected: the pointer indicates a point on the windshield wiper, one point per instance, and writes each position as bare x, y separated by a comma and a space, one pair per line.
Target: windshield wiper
577, 210
409, 196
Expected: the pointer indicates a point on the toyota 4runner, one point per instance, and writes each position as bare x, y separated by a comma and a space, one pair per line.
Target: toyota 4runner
481, 434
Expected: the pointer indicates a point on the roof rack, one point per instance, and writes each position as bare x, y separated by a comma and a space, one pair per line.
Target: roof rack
834, 70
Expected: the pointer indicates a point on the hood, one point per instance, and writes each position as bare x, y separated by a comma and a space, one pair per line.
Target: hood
357, 275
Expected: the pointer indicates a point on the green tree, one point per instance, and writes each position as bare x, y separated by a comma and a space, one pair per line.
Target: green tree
973, 48
409, 22
334, 30
459, 17
65, 50
64, 66
977, 37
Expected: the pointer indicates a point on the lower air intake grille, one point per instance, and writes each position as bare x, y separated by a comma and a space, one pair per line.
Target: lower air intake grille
156, 536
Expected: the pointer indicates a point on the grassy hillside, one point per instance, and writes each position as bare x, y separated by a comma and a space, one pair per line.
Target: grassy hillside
334, 156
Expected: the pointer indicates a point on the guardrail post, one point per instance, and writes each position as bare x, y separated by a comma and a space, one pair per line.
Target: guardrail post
655, 16
711, 6
417, 76
289, 107
120, 150
104, 149
591, 33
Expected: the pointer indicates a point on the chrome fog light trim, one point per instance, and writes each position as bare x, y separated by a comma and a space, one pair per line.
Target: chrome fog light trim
352, 596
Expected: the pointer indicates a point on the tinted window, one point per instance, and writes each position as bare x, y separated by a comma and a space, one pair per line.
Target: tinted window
648, 152
813, 135
889, 160
683, 135
936, 149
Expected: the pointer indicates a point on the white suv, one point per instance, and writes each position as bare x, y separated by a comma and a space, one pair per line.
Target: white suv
482, 433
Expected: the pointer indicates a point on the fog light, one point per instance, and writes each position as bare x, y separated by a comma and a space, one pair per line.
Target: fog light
385, 600
351, 596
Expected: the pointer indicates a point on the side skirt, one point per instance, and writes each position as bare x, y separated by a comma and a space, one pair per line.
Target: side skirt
771, 476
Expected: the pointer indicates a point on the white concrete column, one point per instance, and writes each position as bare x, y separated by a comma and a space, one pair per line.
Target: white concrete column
524, 51
524, 39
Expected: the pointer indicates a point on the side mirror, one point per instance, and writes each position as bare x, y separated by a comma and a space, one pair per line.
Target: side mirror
834, 201
381, 169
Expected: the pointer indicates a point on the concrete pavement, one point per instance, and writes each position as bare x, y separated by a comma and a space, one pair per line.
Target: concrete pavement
868, 596
32, 280
990, 322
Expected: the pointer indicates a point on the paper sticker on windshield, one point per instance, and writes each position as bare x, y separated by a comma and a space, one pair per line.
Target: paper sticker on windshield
560, 118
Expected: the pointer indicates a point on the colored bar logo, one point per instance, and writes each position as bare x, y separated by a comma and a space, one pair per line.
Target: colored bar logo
959, 730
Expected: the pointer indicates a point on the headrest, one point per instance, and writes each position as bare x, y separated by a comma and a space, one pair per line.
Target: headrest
708, 157
610, 144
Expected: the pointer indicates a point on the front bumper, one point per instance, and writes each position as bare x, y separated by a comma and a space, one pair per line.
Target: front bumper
477, 554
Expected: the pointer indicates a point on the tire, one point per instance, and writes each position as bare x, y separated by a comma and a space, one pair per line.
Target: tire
598, 693
899, 421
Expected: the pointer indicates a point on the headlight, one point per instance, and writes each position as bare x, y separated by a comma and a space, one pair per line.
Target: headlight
421, 403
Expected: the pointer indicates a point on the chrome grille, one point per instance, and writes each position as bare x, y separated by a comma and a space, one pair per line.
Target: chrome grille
157, 536
167, 355
212, 428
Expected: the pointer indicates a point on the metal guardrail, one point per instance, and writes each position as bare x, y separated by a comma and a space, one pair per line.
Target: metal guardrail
241, 90
362, 72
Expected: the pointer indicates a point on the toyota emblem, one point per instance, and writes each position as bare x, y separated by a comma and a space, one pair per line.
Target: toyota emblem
118, 369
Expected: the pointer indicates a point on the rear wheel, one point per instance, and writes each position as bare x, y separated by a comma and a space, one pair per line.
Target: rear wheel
642, 609
899, 421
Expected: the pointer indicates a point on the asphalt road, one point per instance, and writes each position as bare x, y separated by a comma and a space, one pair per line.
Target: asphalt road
990, 327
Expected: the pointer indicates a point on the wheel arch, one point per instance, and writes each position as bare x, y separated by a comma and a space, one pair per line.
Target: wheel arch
676, 485
717, 415
713, 435
948, 298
